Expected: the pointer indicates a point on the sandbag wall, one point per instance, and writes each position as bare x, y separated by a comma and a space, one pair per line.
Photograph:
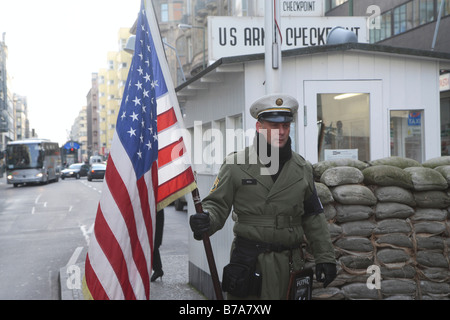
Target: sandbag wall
392, 213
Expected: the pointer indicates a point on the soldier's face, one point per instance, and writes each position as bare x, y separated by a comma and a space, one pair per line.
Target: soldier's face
277, 134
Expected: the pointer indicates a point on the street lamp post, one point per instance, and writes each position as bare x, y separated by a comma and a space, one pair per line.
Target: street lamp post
183, 26
178, 59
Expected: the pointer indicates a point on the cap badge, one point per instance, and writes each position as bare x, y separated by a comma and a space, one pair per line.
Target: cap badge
279, 102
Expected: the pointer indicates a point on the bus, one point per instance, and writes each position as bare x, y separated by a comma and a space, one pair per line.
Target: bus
32, 161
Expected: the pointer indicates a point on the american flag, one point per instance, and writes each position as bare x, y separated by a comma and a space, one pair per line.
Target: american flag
147, 169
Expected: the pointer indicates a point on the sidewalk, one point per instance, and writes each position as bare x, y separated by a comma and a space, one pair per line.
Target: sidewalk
174, 284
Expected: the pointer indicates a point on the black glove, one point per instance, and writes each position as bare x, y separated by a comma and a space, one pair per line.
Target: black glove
200, 224
329, 270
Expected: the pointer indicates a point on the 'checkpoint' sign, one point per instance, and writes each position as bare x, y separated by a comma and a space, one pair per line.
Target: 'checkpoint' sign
312, 8
235, 36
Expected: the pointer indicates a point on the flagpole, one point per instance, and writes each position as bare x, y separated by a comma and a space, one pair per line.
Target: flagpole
151, 18
208, 248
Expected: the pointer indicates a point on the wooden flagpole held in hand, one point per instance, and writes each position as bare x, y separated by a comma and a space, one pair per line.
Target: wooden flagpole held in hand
208, 248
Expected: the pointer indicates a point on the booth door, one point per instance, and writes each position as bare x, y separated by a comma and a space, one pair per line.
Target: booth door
343, 119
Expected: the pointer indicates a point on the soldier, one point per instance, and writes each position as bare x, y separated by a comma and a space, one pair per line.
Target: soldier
274, 199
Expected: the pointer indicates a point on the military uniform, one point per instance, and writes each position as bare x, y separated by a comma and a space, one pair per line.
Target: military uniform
271, 212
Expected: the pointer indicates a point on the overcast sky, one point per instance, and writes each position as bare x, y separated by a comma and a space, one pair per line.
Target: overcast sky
54, 47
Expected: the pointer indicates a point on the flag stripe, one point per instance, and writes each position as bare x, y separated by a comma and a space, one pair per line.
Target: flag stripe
172, 170
124, 203
163, 103
172, 151
167, 137
175, 184
95, 285
123, 164
113, 253
166, 120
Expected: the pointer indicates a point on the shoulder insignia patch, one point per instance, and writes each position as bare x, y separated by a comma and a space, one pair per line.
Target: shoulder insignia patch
214, 187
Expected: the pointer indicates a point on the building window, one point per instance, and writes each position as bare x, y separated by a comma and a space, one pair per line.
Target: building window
446, 10
330, 4
164, 12
385, 30
426, 11
407, 134
343, 126
406, 17
400, 19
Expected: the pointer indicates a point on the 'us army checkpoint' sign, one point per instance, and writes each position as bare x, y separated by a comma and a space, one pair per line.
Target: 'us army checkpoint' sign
235, 36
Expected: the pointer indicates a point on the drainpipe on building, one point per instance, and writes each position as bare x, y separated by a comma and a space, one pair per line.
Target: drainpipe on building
437, 25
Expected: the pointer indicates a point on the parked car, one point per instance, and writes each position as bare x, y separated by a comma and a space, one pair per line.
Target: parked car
97, 171
75, 170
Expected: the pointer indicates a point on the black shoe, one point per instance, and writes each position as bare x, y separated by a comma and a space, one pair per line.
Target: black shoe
156, 275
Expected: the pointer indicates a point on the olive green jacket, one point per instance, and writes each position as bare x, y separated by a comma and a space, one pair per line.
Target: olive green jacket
270, 212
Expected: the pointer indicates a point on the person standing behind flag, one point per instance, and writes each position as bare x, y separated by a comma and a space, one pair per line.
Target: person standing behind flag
276, 205
157, 263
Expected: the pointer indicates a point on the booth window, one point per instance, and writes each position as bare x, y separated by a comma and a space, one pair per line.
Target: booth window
407, 134
343, 122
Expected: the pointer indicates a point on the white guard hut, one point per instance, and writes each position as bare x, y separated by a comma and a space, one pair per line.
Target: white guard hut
357, 101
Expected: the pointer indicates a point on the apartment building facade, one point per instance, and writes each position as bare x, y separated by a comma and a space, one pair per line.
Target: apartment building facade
111, 83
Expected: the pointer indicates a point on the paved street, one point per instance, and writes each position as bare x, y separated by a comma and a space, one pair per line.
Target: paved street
44, 228
40, 227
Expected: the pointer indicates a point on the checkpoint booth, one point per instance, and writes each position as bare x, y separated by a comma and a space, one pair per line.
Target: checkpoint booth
357, 100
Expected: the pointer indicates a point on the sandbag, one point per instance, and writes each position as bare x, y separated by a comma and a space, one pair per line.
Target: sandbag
432, 199
429, 287
436, 274
341, 175
384, 175
329, 293
361, 228
394, 240
324, 193
356, 244
346, 213
320, 167
398, 287
430, 243
395, 194
403, 272
432, 259
359, 291
356, 261
392, 226
392, 256
354, 194
329, 211
436, 162
388, 210
425, 179
427, 214
429, 227
399, 162
444, 171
